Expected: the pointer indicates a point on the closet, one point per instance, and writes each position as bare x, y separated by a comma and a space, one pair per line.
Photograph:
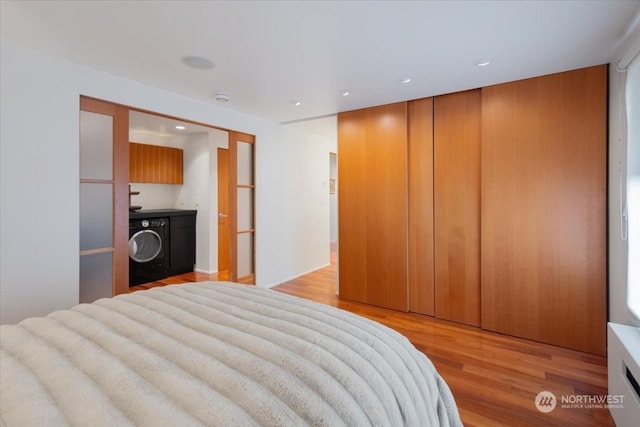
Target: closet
485, 207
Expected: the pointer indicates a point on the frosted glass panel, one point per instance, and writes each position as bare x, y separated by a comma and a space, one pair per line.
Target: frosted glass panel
245, 209
96, 146
245, 163
245, 254
96, 216
96, 276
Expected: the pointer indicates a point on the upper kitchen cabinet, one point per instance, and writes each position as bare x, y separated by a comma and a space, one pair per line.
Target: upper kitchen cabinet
155, 164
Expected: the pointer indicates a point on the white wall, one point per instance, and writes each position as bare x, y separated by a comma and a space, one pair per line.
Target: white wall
155, 196
304, 199
195, 193
39, 179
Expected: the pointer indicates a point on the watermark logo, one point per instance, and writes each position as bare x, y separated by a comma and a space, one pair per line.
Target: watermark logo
546, 401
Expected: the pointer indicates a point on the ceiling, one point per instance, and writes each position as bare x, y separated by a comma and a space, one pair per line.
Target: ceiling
164, 127
270, 54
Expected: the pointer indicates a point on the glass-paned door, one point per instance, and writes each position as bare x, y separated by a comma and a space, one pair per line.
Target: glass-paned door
102, 229
242, 156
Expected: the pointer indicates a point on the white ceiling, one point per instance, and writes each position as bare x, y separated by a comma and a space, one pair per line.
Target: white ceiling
271, 53
163, 127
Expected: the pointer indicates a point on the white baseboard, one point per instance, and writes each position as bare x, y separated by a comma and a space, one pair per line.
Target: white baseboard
271, 285
197, 270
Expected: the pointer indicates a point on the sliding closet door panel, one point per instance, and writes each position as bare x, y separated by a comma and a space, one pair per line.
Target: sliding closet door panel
387, 218
372, 168
544, 208
457, 206
352, 205
421, 285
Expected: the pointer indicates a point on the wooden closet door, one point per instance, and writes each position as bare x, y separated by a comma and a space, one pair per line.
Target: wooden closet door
372, 205
457, 127
421, 286
543, 208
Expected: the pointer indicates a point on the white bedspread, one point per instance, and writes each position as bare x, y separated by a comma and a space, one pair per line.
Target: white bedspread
215, 353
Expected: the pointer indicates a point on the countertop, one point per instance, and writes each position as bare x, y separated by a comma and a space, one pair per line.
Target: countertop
161, 213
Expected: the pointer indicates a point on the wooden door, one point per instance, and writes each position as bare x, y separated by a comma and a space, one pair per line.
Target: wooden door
457, 119
223, 210
242, 188
421, 280
373, 206
104, 199
543, 208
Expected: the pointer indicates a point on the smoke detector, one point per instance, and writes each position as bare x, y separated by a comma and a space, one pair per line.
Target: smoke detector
221, 97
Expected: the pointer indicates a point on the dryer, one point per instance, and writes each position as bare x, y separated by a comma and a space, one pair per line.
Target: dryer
147, 250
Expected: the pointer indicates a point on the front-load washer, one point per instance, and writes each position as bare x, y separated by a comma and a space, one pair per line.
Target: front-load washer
147, 254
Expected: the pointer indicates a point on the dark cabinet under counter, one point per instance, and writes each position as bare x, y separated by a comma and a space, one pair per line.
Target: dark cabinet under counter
182, 243
180, 247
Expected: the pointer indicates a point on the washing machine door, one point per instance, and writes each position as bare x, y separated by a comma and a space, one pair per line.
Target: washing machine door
144, 246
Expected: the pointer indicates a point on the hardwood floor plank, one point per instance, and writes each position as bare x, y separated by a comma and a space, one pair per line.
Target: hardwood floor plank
494, 378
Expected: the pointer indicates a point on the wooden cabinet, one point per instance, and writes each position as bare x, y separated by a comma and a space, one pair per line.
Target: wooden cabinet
457, 206
155, 164
372, 205
543, 208
182, 243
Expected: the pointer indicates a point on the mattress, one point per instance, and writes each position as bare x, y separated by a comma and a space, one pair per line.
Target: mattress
214, 353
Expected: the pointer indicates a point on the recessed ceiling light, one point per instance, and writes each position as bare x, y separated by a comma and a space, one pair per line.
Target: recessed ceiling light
344, 92
296, 103
197, 62
404, 79
180, 127
221, 97
482, 62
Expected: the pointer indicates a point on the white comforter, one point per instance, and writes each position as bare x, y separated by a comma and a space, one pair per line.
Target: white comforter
215, 354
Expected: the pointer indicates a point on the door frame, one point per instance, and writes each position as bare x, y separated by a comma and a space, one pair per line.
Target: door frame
121, 185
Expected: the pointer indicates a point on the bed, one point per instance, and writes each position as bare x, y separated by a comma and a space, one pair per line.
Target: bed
215, 353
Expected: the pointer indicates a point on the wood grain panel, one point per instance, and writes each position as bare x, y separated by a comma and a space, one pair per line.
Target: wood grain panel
121, 200
372, 205
421, 238
155, 164
352, 205
544, 208
457, 206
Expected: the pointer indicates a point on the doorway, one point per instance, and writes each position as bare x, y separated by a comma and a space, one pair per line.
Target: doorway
111, 276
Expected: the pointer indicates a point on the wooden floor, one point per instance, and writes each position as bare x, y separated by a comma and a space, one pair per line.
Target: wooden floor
494, 378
